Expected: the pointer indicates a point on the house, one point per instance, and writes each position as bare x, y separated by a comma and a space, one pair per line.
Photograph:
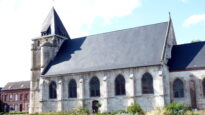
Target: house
15, 96
0, 100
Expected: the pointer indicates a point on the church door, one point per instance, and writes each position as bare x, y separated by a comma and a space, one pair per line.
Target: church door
94, 106
193, 93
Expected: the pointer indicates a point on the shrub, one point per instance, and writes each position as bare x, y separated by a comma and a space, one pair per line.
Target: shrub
157, 111
135, 108
118, 112
176, 109
192, 113
102, 113
98, 105
81, 110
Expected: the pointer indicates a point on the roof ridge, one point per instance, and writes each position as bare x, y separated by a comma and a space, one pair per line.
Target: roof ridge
190, 43
19, 81
121, 30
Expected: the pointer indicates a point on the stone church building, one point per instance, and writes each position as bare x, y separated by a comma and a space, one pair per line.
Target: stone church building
142, 65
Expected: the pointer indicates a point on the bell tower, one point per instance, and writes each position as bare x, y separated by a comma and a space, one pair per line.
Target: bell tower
44, 50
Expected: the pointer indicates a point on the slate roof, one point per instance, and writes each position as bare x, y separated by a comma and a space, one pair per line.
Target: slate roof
187, 56
54, 24
17, 85
135, 47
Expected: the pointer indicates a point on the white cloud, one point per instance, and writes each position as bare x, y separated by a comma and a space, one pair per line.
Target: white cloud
21, 21
194, 19
84, 12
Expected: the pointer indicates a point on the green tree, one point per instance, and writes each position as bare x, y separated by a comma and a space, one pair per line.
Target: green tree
195, 41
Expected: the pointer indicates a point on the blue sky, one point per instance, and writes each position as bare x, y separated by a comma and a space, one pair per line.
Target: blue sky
156, 11
21, 21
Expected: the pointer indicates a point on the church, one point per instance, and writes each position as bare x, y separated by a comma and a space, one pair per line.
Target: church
142, 65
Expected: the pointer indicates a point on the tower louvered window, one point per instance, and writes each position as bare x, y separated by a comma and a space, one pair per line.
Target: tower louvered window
47, 32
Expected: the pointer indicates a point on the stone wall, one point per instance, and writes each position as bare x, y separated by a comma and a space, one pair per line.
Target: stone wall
169, 43
197, 76
43, 50
108, 99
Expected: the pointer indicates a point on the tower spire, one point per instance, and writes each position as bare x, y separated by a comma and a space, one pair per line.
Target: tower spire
53, 25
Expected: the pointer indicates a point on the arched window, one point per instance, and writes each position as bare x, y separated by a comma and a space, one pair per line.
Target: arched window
147, 84
120, 85
52, 90
178, 88
72, 88
203, 85
94, 87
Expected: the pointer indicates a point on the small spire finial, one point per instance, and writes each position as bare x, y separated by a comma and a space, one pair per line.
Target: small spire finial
169, 15
53, 3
